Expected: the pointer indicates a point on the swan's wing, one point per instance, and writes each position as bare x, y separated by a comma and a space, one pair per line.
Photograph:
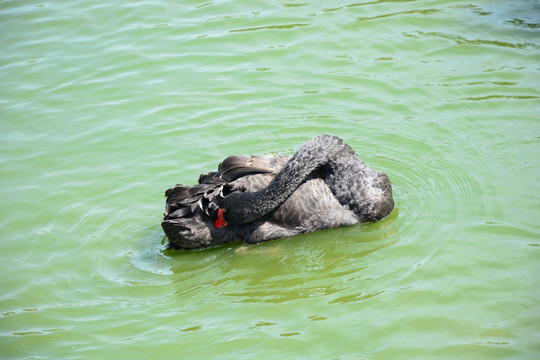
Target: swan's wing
313, 206
235, 167
182, 200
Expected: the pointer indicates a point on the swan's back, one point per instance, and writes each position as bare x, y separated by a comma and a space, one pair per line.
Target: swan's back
191, 210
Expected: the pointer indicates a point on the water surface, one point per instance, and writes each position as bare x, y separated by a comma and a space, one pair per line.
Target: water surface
104, 106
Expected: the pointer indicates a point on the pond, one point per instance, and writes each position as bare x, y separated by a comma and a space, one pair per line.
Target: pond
105, 106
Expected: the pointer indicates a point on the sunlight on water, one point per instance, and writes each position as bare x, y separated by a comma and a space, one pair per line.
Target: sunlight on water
105, 106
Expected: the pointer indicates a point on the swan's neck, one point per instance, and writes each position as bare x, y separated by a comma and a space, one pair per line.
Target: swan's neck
310, 156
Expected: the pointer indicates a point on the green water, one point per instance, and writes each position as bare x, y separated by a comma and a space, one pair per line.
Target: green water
104, 106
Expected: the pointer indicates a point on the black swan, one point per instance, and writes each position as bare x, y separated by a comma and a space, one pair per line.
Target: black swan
259, 198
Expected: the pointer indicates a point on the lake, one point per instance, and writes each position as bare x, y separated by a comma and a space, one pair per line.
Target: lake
105, 106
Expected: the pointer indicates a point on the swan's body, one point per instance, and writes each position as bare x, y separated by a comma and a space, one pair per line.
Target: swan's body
259, 198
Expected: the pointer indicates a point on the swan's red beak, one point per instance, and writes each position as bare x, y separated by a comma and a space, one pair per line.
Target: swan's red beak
220, 222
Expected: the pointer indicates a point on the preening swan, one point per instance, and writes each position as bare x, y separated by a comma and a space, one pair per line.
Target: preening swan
259, 198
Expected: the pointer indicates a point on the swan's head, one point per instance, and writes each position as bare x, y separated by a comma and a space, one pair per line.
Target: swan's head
236, 209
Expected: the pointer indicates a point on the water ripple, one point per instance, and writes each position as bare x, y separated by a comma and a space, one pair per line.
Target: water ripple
459, 40
270, 27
